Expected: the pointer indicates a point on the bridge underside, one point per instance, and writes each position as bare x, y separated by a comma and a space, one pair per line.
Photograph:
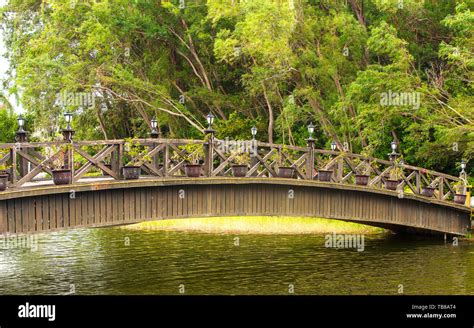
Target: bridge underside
116, 203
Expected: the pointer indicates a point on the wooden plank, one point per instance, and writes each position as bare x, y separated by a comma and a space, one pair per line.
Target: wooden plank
52, 212
133, 214
65, 220
102, 217
120, 205
91, 215
109, 206
114, 200
126, 205
3, 217
25, 214
83, 209
97, 207
18, 216
149, 203
11, 216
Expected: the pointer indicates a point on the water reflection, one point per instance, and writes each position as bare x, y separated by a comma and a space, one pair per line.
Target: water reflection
115, 261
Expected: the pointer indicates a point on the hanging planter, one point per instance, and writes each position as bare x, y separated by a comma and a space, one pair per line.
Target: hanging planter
324, 175
427, 191
285, 172
362, 179
460, 199
193, 170
391, 184
3, 182
131, 172
241, 161
62, 176
240, 171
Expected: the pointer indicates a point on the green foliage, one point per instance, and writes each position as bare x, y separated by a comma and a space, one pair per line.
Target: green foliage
275, 64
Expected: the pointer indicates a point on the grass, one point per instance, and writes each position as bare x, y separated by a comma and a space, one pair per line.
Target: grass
257, 225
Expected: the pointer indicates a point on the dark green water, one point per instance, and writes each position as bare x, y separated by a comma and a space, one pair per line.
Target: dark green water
98, 261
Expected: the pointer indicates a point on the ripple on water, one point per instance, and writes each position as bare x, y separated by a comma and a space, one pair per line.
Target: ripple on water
100, 261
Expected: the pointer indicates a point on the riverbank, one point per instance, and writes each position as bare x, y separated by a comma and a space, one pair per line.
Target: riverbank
257, 225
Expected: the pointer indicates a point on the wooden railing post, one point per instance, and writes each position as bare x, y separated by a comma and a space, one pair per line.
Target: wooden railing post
310, 159
13, 175
166, 155
21, 138
116, 159
340, 169
209, 154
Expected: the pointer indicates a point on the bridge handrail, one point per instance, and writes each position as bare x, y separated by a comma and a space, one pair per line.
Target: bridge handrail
169, 158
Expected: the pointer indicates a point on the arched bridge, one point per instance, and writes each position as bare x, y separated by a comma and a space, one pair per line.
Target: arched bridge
98, 195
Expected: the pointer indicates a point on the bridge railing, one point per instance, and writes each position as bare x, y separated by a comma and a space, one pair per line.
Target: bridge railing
31, 162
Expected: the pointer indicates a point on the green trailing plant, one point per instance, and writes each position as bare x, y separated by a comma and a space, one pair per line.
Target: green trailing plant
135, 154
193, 153
57, 155
241, 158
460, 187
4, 167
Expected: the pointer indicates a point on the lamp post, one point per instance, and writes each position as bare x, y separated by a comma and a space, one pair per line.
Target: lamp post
68, 132
333, 146
254, 132
393, 155
463, 174
154, 132
21, 137
209, 146
210, 121
21, 133
310, 160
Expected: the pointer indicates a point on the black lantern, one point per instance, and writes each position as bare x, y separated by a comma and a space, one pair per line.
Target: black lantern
21, 123
21, 133
68, 132
463, 166
310, 130
393, 155
254, 132
333, 146
210, 120
154, 132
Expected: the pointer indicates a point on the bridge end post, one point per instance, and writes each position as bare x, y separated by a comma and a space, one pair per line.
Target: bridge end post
310, 159
209, 153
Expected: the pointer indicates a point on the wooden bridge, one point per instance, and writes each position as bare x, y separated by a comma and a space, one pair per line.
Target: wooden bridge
99, 196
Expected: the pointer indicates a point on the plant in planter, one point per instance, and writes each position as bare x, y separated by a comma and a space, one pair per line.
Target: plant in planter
241, 166
4, 177
323, 174
460, 195
427, 191
4, 169
193, 155
363, 175
395, 176
133, 160
61, 174
282, 171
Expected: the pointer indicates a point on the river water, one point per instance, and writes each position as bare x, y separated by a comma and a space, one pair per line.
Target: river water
117, 261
